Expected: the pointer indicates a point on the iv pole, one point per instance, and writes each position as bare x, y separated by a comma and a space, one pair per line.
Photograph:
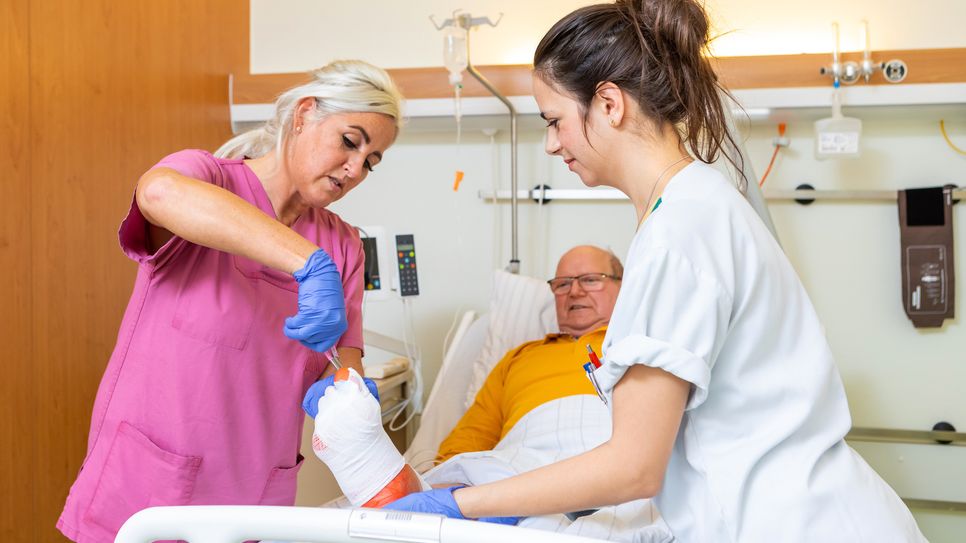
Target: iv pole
466, 21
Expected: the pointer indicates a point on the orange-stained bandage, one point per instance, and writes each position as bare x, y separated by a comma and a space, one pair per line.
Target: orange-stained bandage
403, 484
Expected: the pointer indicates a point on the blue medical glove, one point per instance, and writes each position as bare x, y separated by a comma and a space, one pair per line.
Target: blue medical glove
311, 402
321, 319
440, 501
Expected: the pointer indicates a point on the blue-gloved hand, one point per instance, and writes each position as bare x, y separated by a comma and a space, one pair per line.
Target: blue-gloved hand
440, 501
321, 318
311, 402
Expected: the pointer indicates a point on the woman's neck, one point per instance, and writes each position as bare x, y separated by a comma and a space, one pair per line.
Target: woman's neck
646, 165
286, 203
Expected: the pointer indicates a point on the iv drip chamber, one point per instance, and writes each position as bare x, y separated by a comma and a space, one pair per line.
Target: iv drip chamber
454, 53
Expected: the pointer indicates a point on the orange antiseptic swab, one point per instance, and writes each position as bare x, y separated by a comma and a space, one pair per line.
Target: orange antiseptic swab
342, 374
458, 180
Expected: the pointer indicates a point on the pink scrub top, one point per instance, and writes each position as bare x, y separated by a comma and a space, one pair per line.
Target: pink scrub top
201, 399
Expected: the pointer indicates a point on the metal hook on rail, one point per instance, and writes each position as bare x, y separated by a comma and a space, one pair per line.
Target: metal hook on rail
465, 21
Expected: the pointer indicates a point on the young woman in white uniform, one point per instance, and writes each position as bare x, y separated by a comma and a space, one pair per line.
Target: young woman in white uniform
727, 405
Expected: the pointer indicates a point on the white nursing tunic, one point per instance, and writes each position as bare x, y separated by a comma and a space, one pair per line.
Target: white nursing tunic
709, 296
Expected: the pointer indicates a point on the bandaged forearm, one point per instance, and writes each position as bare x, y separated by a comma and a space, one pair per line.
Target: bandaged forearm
350, 440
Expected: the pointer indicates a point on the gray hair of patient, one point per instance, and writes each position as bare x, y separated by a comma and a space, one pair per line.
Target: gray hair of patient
344, 86
617, 269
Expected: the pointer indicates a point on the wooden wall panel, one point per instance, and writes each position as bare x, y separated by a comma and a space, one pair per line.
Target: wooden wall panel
509, 79
113, 87
15, 277
783, 71
754, 72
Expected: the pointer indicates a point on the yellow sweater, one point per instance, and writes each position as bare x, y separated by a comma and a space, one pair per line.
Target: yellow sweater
527, 377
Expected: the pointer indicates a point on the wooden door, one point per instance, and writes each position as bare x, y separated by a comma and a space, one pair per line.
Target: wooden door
15, 274
94, 93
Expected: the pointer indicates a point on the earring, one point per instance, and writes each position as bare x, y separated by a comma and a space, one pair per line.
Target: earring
613, 121
298, 129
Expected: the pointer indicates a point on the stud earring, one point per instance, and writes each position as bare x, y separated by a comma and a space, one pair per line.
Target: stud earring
298, 129
613, 121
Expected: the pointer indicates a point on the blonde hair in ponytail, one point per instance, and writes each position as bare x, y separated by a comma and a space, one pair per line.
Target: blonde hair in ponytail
344, 86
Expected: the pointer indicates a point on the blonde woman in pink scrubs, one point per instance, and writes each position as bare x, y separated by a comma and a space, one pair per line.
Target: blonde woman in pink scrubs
244, 279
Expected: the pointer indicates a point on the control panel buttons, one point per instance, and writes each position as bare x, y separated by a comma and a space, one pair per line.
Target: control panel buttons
406, 258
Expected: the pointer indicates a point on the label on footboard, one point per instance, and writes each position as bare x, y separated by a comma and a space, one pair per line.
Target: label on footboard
395, 525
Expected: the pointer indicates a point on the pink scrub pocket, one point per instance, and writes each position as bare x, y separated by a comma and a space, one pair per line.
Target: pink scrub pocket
138, 474
280, 488
227, 322
215, 303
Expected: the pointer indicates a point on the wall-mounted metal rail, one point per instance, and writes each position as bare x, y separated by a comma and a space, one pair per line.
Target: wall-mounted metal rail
936, 505
599, 195
939, 438
914, 437
867, 195
548, 195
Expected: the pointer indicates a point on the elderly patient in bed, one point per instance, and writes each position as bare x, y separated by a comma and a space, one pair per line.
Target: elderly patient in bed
585, 289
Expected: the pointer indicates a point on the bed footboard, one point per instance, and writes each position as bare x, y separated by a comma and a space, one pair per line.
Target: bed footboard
234, 524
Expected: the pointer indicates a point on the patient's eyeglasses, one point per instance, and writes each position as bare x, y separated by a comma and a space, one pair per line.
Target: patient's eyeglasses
590, 282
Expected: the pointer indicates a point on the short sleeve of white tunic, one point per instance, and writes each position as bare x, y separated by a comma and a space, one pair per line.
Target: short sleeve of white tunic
670, 315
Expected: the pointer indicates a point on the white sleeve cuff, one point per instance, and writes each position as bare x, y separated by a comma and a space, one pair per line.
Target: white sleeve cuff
647, 351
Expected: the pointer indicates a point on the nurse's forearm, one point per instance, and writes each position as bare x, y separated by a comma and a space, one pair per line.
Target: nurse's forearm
648, 406
582, 482
214, 217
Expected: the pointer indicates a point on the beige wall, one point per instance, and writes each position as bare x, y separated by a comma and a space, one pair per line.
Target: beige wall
297, 35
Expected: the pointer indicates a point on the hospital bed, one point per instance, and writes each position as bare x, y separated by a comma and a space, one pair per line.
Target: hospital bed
521, 308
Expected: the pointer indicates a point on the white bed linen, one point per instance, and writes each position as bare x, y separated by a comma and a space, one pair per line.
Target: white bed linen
550, 433
445, 404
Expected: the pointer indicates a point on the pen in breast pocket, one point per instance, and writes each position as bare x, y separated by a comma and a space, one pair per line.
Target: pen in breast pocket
593, 356
589, 367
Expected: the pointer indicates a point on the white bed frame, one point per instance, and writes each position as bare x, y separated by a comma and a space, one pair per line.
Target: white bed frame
234, 524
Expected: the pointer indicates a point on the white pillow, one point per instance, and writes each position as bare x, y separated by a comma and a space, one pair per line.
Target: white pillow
521, 309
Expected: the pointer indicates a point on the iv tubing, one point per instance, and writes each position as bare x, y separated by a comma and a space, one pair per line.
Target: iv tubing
770, 164
781, 133
514, 266
942, 128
